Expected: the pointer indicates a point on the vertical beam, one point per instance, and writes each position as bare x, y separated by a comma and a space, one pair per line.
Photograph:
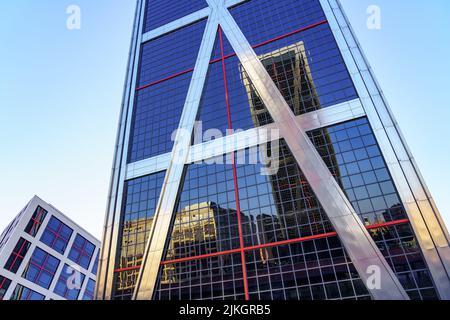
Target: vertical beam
110, 237
355, 238
425, 219
166, 206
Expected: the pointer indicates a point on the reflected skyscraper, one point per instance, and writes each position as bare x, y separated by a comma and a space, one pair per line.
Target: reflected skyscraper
346, 196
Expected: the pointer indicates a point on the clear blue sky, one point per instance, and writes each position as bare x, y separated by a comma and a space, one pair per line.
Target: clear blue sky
60, 93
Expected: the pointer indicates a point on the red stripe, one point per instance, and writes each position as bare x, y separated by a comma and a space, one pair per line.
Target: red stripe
268, 245
127, 269
290, 34
165, 79
233, 164
18, 254
36, 220
234, 54
387, 224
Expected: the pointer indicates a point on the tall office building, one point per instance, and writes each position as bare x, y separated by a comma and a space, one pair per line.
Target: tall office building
46, 256
288, 177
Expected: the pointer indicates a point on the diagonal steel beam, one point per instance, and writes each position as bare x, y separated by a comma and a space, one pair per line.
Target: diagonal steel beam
154, 251
361, 248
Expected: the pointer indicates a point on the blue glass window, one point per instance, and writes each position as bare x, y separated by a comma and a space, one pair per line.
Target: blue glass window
90, 290
41, 268
4, 286
23, 293
17, 256
36, 221
160, 12
56, 235
82, 252
69, 283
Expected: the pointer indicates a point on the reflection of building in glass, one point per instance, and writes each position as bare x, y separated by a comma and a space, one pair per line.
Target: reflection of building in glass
199, 229
134, 237
289, 69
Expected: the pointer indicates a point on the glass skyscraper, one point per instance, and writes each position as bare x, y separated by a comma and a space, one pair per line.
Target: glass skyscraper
288, 177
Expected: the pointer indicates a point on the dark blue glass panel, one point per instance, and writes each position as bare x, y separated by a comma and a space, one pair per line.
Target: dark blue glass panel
41, 269
158, 105
56, 235
156, 116
213, 109
160, 12
69, 283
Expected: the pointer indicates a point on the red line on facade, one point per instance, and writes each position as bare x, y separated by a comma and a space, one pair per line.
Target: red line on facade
233, 164
127, 269
234, 54
165, 79
17, 254
268, 245
279, 243
36, 220
387, 224
290, 34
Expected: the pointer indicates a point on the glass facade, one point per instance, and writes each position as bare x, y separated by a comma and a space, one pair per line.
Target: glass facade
165, 73
241, 231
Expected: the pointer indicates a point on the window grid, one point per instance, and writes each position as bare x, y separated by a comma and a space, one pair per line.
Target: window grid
140, 199
81, 252
17, 256
41, 268
57, 235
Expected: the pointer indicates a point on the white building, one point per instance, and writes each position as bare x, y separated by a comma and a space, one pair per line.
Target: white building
46, 256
